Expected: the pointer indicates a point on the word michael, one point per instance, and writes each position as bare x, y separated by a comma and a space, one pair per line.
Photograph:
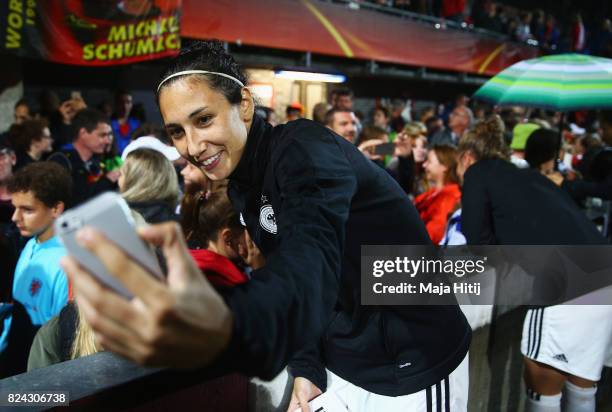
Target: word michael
428, 288
412, 267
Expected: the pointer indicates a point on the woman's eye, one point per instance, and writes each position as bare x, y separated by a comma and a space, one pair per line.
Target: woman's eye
175, 134
204, 120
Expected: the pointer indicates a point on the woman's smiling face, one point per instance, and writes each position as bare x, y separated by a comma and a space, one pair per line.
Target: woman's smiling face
204, 126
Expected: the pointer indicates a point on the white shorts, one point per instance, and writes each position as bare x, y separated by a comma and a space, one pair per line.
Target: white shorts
448, 395
572, 338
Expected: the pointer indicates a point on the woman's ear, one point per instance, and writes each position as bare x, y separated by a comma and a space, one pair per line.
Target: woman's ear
247, 105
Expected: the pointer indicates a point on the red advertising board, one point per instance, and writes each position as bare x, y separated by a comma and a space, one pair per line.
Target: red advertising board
107, 32
334, 29
90, 32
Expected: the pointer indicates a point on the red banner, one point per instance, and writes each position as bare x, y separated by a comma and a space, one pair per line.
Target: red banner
91, 32
334, 29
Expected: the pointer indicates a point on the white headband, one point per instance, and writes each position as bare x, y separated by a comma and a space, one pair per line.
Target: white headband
184, 72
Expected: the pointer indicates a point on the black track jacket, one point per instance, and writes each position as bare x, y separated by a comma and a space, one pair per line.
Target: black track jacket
310, 199
505, 205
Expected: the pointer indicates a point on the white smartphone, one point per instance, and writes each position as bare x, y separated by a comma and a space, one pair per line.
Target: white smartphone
110, 214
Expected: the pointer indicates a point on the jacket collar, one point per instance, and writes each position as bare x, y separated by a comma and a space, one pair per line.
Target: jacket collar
256, 154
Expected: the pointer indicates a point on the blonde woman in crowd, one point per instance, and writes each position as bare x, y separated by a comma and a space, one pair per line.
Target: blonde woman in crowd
149, 184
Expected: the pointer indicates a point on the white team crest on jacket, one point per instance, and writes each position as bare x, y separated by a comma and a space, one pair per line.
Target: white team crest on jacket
267, 220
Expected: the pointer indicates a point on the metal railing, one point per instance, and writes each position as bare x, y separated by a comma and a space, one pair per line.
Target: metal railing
104, 382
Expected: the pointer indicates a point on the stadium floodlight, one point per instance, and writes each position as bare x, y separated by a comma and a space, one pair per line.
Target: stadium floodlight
310, 76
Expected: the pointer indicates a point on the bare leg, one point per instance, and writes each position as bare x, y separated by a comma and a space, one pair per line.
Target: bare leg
542, 378
581, 382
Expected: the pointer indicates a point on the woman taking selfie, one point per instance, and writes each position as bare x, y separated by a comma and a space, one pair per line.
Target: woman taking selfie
309, 200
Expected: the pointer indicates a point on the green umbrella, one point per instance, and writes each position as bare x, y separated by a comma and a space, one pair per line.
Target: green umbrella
563, 82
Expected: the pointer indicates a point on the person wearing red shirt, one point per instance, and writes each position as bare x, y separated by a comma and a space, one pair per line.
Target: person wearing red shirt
436, 204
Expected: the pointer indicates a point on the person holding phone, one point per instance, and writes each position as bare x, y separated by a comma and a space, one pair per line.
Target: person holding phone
309, 200
371, 140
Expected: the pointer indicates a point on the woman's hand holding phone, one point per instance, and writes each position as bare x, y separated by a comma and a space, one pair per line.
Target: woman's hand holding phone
368, 148
182, 323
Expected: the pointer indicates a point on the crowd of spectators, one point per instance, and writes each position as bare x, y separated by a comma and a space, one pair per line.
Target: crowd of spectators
551, 32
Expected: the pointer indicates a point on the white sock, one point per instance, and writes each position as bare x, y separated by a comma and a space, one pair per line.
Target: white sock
542, 403
577, 399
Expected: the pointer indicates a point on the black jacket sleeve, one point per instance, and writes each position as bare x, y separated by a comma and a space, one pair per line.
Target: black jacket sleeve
404, 175
282, 312
581, 189
476, 220
61, 159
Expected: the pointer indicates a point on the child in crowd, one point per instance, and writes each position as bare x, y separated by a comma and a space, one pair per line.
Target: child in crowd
220, 230
40, 193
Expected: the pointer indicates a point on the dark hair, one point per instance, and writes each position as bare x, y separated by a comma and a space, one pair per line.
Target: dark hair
590, 141
138, 112
384, 110
210, 56
87, 119
343, 91
371, 132
22, 102
431, 119
329, 116
447, 155
541, 147
24, 134
121, 92
292, 109
50, 182
217, 213
151, 129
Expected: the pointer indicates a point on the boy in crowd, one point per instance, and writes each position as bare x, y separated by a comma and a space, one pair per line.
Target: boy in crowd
40, 193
